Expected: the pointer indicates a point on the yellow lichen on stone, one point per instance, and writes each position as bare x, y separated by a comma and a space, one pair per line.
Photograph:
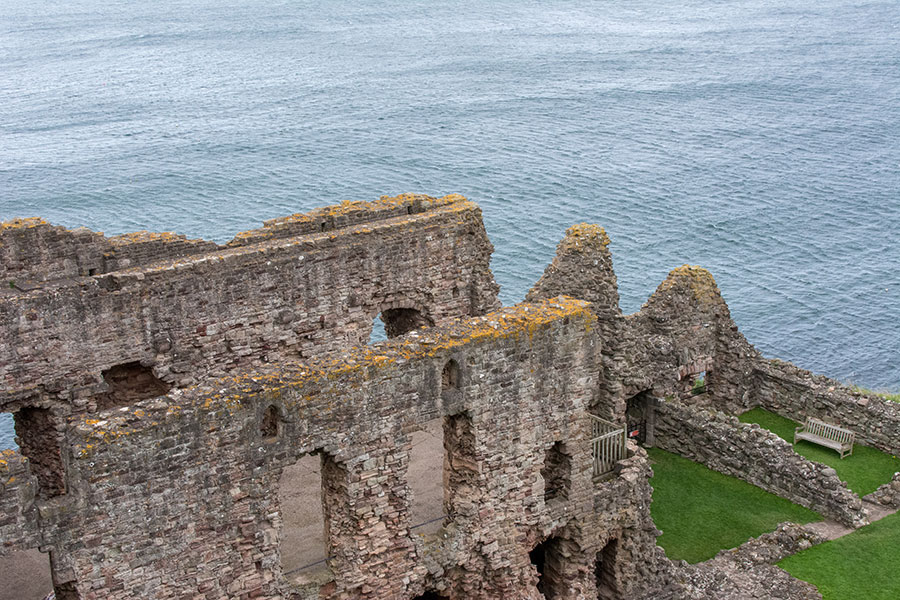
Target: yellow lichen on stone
26, 223
582, 237
234, 392
144, 236
697, 279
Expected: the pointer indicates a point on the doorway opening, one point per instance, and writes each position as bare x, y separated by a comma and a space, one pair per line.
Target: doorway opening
604, 569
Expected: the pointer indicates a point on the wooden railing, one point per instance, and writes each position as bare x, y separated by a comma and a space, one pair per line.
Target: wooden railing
607, 445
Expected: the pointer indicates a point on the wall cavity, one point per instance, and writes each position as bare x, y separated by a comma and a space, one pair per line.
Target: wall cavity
40, 434
129, 383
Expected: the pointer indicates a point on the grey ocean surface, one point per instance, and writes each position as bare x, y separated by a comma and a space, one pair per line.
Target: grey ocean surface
759, 139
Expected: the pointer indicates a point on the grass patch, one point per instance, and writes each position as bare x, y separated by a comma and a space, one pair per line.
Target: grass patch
701, 511
864, 470
863, 564
892, 396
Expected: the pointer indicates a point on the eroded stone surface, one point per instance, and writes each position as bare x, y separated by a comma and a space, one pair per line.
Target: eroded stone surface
164, 387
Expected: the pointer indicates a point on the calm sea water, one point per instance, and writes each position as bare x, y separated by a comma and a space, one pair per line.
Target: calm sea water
760, 139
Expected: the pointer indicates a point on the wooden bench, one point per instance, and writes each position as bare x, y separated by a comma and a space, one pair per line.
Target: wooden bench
826, 434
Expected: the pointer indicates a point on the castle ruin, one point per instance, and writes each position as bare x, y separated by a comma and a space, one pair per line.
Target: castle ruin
165, 389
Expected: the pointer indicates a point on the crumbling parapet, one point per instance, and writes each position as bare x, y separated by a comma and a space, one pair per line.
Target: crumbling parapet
345, 214
685, 330
758, 456
209, 312
582, 268
34, 252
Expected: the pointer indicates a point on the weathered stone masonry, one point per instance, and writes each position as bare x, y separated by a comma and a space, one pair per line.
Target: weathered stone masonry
162, 385
178, 493
207, 312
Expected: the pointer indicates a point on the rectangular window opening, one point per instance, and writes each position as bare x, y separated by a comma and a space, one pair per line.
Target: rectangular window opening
425, 477
303, 537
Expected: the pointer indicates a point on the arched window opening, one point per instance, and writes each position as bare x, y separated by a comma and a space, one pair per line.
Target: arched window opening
40, 443
394, 322
129, 383
557, 473
450, 376
270, 426
399, 321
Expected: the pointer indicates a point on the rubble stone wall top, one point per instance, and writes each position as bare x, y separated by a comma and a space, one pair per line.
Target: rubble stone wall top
206, 313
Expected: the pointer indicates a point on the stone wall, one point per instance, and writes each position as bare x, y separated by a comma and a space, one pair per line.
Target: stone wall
163, 385
206, 313
887, 494
683, 330
180, 492
33, 251
622, 513
797, 394
748, 572
758, 456
18, 511
582, 268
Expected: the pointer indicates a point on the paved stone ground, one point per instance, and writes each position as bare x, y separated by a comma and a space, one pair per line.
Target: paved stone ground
832, 530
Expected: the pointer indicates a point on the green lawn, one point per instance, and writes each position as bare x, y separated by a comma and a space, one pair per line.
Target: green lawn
701, 511
864, 470
863, 564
